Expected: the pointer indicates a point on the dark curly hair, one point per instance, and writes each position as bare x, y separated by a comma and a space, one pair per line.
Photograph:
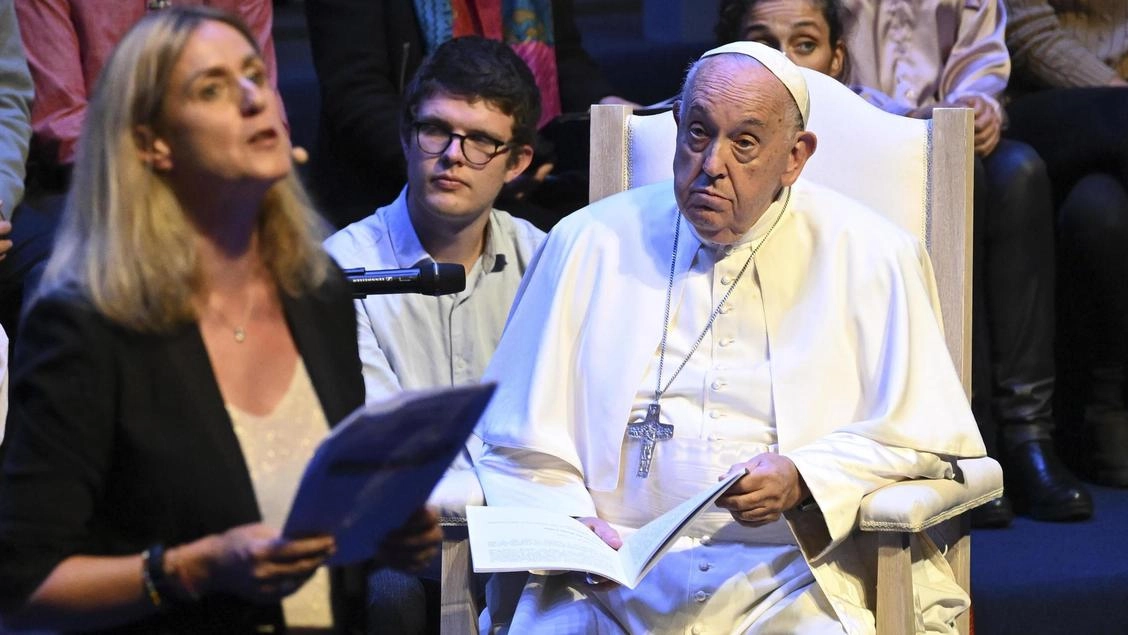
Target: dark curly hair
733, 11
475, 68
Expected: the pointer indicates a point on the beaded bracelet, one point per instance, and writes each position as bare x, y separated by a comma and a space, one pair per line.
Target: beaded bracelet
152, 572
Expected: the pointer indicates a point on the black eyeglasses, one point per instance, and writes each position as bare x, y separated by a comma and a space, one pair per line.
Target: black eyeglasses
479, 149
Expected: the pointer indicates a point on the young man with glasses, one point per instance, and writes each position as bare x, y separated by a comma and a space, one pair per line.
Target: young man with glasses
467, 127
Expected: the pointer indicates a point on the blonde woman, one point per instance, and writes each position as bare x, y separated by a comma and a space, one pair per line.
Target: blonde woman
188, 347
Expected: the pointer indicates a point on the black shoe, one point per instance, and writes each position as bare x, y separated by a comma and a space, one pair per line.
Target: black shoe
1041, 486
994, 514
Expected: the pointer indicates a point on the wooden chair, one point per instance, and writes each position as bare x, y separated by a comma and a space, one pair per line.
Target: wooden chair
459, 608
919, 173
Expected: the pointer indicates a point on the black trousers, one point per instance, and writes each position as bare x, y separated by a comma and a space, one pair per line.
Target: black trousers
1082, 135
1013, 297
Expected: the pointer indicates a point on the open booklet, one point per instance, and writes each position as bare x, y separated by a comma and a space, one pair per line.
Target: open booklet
526, 539
379, 465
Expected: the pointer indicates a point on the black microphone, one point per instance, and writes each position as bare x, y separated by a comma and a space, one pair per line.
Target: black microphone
436, 278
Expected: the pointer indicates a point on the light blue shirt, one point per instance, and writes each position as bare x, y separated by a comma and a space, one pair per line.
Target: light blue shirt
412, 341
15, 112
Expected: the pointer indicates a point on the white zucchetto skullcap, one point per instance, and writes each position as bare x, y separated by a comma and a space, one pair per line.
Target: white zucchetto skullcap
776, 62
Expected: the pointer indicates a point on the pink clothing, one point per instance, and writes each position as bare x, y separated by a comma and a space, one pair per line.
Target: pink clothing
907, 55
526, 26
1063, 44
68, 42
541, 59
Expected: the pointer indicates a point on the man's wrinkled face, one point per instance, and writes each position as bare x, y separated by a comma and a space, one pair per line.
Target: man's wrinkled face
739, 144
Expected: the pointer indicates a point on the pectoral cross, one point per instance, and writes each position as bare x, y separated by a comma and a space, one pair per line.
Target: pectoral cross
648, 431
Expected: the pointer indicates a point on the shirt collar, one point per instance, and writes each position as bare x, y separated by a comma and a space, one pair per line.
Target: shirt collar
410, 252
492, 260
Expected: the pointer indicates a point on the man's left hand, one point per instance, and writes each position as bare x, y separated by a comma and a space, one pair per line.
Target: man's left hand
411, 547
771, 485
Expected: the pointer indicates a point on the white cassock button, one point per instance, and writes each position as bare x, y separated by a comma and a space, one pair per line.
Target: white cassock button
726, 307
700, 596
717, 385
704, 566
696, 630
726, 280
706, 540
714, 414
727, 341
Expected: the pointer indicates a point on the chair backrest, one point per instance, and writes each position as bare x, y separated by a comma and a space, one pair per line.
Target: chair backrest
917, 172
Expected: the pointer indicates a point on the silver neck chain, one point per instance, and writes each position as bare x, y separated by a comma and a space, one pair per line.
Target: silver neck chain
658, 389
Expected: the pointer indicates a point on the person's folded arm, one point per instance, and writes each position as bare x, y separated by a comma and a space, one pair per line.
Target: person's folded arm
55, 58
1045, 52
978, 63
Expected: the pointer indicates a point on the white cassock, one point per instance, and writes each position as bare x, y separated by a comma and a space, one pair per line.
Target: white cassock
828, 351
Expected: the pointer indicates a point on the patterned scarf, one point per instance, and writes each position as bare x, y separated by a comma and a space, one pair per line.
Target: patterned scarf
525, 25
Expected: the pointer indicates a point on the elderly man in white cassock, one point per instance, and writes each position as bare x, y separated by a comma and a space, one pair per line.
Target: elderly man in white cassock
755, 322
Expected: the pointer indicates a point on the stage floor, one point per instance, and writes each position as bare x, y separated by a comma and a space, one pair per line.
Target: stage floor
1038, 577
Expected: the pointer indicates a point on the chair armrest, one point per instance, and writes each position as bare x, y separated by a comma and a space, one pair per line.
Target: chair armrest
456, 490
916, 505
458, 610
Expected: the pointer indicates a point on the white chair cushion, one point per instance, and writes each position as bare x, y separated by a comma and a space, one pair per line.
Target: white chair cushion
917, 505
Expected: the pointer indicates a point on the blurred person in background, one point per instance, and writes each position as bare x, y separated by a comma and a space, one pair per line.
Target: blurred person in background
1069, 100
16, 92
909, 57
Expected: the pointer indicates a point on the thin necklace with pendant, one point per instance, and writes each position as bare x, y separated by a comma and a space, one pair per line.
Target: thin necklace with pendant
239, 331
650, 429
